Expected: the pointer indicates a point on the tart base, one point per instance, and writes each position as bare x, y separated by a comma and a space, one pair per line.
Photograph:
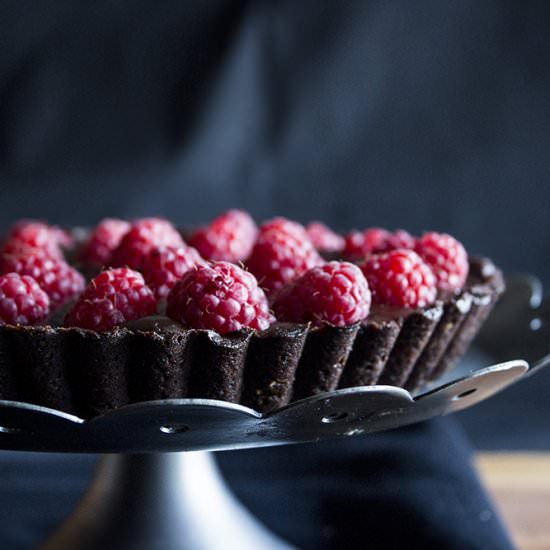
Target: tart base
88, 373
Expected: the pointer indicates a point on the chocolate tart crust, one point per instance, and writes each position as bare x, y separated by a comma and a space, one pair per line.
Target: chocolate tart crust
89, 373
371, 349
326, 351
454, 314
271, 365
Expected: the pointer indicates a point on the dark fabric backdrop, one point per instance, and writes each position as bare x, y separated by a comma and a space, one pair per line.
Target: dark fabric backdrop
422, 114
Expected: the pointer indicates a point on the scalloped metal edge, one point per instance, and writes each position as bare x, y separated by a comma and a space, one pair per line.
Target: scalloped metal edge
202, 424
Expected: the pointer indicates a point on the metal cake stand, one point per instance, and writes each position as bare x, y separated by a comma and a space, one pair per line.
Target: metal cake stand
149, 495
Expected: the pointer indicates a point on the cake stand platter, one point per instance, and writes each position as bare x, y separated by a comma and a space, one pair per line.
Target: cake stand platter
149, 494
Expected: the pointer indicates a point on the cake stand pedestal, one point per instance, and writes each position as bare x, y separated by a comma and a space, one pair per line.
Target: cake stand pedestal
163, 500
152, 492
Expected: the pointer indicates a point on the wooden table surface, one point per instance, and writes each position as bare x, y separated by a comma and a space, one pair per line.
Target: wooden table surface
520, 486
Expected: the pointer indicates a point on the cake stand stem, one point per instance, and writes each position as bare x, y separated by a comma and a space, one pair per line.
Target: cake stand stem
161, 501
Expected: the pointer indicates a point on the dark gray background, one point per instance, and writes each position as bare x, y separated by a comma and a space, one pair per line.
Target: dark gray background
397, 113
412, 114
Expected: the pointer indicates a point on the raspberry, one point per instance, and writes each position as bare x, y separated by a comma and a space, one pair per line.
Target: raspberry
166, 264
220, 296
400, 278
27, 229
141, 237
336, 293
22, 301
283, 225
62, 237
111, 298
359, 244
20, 248
395, 240
102, 241
229, 237
323, 238
32, 234
279, 257
60, 281
446, 257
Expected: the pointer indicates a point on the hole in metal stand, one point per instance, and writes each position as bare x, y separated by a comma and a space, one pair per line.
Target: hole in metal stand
535, 324
464, 394
174, 428
7, 430
334, 417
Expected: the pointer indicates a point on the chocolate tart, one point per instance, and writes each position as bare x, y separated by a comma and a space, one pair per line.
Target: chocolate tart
88, 373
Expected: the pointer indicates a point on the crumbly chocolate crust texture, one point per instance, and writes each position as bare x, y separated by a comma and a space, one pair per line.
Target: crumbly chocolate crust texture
89, 373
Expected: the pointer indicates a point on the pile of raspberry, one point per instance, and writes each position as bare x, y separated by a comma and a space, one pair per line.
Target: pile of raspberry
225, 276
35, 279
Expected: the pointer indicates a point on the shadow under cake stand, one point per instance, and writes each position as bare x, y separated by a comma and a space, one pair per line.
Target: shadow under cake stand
151, 492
